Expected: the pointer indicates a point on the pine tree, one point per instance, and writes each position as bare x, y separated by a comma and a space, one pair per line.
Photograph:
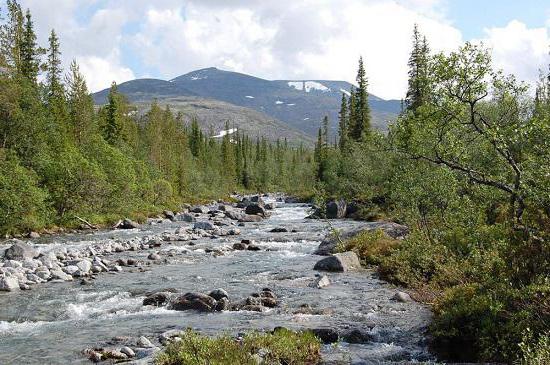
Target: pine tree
343, 123
325, 132
80, 105
352, 113
112, 129
53, 67
30, 53
418, 85
360, 128
195, 138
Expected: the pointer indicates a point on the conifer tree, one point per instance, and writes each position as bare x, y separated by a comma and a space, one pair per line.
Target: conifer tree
112, 129
53, 68
80, 105
418, 85
352, 113
11, 37
30, 53
360, 128
343, 123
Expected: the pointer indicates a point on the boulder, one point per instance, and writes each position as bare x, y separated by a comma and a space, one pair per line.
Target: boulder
85, 266
270, 206
127, 351
168, 214
20, 251
157, 299
59, 274
253, 248
250, 218
320, 282
240, 246
185, 217
326, 335
233, 214
339, 262
402, 297
193, 301
223, 304
144, 342
357, 336
218, 294
336, 209
128, 224
279, 230
198, 209
256, 209
153, 256
204, 225
9, 284
34, 235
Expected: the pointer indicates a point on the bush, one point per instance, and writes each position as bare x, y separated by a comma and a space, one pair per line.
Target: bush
280, 347
371, 246
22, 203
535, 352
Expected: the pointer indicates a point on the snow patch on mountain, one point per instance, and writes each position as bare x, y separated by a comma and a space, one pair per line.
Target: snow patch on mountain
278, 102
307, 86
291, 104
249, 97
345, 92
225, 132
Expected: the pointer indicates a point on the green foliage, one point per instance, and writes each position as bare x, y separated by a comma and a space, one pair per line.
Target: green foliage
280, 347
370, 246
534, 351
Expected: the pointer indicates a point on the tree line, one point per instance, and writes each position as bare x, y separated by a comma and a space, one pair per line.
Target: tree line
61, 157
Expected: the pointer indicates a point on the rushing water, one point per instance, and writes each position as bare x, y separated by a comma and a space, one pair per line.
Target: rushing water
54, 322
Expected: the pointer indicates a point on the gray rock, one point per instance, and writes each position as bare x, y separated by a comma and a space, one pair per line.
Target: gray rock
223, 304
234, 215
336, 209
9, 284
71, 269
250, 218
20, 251
198, 209
193, 301
13, 263
255, 209
153, 256
240, 246
185, 217
85, 266
402, 297
326, 335
339, 262
144, 342
157, 299
128, 224
218, 294
59, 274
204, 225
320, 282
279, 230
169, 215
127, 351
34, 235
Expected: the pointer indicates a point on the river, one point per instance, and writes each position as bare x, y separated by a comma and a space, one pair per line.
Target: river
53, 322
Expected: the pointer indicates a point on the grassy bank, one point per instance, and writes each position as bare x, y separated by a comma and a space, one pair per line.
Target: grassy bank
280, 347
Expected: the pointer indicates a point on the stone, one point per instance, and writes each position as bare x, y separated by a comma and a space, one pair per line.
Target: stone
402, 297
357, 336
71, 269
279, 230
9, 284
157, 299
193, 301
168, 214
85, 282
269, 302
13, 263
59, 274
185, 217
85, 266
255, 209
218, 294
270, 206
127, 351
127, 224
253, 248
336, 209
34, 235
207, 226
144, 342
326, 335
339, 262
222, 304
320, 282
153, 256
115, 354
240, 246
198, 209
20, 251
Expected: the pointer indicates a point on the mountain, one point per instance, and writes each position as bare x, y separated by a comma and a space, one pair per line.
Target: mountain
213, 114
301, 104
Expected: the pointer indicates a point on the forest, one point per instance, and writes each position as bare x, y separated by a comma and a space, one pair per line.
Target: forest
466, 166
61, 157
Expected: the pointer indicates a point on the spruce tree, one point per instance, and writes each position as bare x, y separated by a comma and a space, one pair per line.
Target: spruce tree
352, 110
53, 68
343, 123
11, 38
30, 53
112, 129
360, 127
80, 105
418, 84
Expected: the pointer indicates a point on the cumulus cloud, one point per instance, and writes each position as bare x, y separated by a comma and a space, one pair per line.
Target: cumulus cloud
274, 39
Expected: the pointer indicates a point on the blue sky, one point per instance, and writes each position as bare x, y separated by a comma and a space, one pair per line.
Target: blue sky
118, 40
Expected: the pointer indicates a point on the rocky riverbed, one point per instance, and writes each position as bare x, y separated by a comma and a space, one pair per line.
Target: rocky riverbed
223, 268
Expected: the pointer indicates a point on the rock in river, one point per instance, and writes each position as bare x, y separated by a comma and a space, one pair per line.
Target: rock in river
196, 301
20, 251
9, 284
320, 282
339, 262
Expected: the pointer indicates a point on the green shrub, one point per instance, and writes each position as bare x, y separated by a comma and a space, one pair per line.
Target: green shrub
535, 352
371, 246
280, 347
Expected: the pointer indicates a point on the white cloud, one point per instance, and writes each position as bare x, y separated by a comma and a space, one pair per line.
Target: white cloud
101, 72
519, 50
274, 39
